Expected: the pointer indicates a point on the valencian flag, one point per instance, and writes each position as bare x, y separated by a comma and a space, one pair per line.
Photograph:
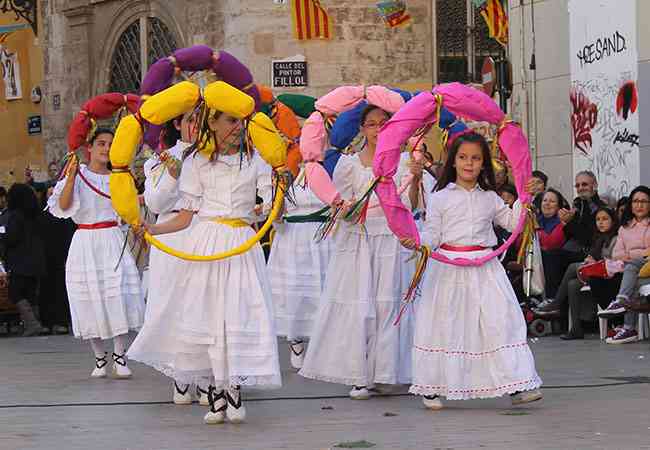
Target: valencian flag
310, 20
495, 18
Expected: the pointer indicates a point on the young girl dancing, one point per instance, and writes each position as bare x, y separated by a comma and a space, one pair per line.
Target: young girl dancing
105, 297
470, 335
354, 341
226, 325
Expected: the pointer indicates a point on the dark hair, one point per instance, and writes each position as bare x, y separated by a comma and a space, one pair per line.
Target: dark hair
628, 217
99, 131
622, 202
486, 178
561, 201
541, 175
603, 239
170, 134
21, 197
3, 191
510, 189
367, 110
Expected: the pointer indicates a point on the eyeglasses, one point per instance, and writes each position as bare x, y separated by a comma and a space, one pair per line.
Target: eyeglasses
374, 124
578, 185
640, 202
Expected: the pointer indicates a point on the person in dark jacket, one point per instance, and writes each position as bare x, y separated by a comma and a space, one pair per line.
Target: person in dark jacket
53, 297
24, 255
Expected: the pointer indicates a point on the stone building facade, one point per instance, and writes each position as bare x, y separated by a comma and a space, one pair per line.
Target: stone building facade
80, 38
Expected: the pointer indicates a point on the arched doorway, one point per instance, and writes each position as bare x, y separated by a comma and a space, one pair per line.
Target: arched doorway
130, 61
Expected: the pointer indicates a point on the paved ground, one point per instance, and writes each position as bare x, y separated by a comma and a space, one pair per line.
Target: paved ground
597, 396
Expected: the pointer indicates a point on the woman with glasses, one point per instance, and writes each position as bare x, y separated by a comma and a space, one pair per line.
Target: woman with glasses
354, 341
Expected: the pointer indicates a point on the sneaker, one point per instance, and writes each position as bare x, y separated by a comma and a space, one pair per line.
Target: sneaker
359, 393
182, 396
120, 370
297, 354
202, 395
623, 337
432, 402
616, 308
100, 367
520, 398
218, 406
236, 412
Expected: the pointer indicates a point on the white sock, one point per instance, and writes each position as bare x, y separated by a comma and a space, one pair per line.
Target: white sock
98, 347
119, 344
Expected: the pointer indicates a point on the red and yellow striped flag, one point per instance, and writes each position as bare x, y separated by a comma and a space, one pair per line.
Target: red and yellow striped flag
497, 21
310, 20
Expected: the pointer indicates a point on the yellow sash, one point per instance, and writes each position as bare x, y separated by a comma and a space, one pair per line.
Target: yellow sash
233, 223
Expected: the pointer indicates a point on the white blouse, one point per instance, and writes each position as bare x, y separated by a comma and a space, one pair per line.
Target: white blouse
456, 216
306, 201
352, 179
225, 188
87, 207
162, 194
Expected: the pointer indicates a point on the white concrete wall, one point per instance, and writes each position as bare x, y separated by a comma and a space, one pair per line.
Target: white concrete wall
554, 151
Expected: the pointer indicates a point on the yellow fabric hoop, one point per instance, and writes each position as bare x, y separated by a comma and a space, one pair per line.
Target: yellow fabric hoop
171, 103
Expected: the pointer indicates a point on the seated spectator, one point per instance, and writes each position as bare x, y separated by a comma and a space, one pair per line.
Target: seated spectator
620, 207
570, 287
540, 183
551, 228
633, 248
508, 193
579, 230
500, 174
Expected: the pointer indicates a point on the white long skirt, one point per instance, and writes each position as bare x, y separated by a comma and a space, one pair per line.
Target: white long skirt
355, 341
297, 267
470, 334
105, 300
157, 344
226, 325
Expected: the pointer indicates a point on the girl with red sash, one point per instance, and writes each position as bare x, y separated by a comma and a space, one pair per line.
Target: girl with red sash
105, 297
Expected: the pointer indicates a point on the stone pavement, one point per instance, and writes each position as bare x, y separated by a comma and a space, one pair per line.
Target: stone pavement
597, 396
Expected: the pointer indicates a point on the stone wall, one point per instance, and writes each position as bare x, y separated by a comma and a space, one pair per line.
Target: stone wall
79, 37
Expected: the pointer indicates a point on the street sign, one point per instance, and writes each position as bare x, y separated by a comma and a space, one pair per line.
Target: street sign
34, 125
288, 73
488, 76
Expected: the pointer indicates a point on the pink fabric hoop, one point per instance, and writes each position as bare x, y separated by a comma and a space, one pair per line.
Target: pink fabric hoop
465, 102
313, 139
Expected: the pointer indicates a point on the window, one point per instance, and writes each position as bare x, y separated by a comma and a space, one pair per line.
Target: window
127, 66
462, 40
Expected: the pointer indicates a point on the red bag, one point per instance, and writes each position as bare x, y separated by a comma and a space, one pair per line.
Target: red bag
604, 268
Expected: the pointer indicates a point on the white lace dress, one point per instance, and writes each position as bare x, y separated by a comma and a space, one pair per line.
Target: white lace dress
105, 298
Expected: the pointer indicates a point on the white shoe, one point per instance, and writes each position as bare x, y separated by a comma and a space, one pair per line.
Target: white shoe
120, 369
100, 367
432, 402
182, 396
218, 407
236, 411
202, 396
297, 354
359, 393
521, 398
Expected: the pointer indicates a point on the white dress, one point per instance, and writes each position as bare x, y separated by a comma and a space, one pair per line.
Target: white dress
470, 335
354, 341
226, 323
105, 298
157, 344
297, 266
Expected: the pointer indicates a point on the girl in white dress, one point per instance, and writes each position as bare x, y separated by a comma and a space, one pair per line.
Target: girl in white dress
470, 334
226, 324
354, 341
297, 266
105, 297
156, 344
